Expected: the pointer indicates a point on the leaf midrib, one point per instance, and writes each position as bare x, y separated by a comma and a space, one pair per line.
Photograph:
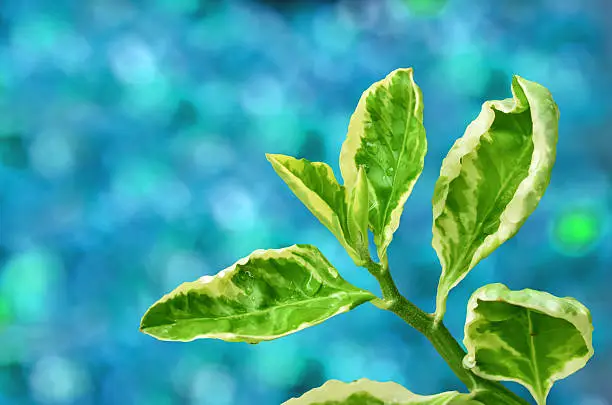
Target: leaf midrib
260, 311
410, 117
532, 355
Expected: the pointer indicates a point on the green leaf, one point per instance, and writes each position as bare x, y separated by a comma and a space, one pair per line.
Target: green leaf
264, 296
527, 336
367, 392
358, 210
344, 213
492, 180
387, 138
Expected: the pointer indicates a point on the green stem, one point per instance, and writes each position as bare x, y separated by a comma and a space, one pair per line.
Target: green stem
442, 340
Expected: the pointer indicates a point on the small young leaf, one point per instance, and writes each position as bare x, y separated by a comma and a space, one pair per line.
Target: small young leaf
492, 180
367, 392
264, 296
343, 213
527, 336
358, 210
387, 138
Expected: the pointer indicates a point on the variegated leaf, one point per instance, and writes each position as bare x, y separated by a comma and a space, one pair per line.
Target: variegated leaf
386, 137
492, 180
264, 296
343, 212
527, 336
367, 392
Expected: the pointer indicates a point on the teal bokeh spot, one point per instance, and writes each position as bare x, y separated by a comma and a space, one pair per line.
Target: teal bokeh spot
467, 60
279, 362
29, 284
52, 154
212, 382
149, 97
58, 380
332, 36
178, 6
139, 181
158, 397
282, 132
6, 75
39, 33
348, 361
239, 244
215, 98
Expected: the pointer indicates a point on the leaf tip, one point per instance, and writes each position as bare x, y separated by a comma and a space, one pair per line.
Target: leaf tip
271, 156
409, 71
143, 322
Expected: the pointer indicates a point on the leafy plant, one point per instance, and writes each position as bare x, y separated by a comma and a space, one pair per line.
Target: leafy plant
490, 182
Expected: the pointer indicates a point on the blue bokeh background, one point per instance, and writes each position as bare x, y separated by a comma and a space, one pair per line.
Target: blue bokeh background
132, 141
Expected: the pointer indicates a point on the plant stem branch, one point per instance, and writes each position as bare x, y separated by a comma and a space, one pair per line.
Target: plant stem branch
444, 343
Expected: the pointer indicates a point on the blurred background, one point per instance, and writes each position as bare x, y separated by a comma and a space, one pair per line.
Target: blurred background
132, 141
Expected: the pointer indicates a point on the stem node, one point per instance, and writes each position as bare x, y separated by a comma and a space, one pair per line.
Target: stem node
434, 330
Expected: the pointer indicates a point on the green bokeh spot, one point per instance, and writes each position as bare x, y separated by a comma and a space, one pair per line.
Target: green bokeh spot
5, 312
425, 8
575, 232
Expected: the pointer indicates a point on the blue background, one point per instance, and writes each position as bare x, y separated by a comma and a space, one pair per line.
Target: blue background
132, 141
